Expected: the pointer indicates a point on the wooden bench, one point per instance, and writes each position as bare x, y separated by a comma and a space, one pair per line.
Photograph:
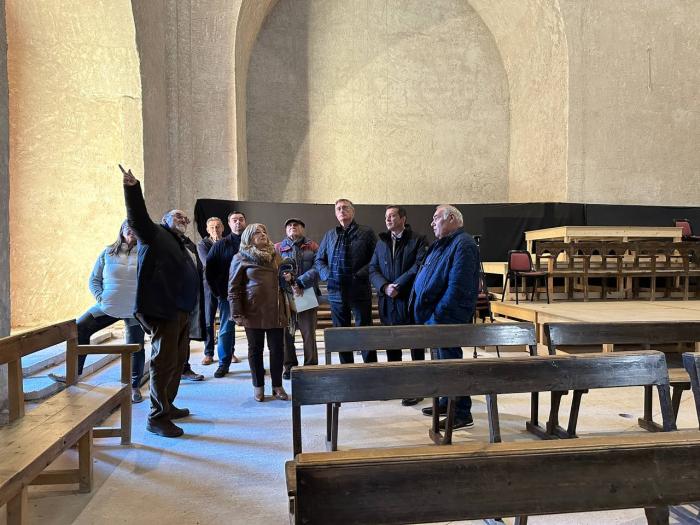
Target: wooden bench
607, 335
417, 336
32, 441
473, 481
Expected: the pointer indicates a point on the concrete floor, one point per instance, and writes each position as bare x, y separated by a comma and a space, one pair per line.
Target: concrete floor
229, 465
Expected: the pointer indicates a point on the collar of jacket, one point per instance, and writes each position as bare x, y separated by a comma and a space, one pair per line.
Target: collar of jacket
353, 226
180, 238
405, 235
448, 239
287, 244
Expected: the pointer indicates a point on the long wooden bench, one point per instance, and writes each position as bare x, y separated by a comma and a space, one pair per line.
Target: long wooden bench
610, 336
33, 440
412, 336
471, 481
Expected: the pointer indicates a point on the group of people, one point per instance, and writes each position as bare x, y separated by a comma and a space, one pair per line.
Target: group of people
156, 280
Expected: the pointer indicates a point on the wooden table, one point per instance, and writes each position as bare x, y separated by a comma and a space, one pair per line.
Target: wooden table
611, 233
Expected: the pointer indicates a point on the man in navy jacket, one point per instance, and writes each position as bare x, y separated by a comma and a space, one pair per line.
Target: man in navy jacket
392, 271
216, 272
342, 261
445, 290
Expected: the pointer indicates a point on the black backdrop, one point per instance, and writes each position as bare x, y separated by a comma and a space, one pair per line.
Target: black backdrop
501, 226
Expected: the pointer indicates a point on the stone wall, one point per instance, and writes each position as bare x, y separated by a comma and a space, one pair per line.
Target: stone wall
4, 216
75, 113
634, 124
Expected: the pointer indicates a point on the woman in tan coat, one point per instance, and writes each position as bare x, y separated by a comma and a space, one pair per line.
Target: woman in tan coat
258, 304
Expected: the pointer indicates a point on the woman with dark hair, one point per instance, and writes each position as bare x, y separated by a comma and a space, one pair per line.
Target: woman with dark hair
258, 304
113, 284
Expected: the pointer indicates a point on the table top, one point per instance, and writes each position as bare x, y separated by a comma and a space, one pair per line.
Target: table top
560, 232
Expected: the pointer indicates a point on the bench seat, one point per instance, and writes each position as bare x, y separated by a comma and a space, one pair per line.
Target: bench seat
33, 442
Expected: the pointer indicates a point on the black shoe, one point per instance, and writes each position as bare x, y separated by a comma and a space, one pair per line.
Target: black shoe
428, 411
191, 375
221, 371
178, 413
286, 375
410, 401
459, 423
164, 427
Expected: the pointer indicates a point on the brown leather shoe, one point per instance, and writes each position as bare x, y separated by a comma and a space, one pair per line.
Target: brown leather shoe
259, 393
207, 360
279, 393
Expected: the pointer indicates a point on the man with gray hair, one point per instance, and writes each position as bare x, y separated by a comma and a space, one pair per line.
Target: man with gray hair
445, 291
166, 294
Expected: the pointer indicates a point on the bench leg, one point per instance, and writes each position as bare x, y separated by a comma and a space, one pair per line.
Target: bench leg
438, 437
85, 462
553, 428
334, 429
126, 419
521, 520
573, 416
657, 515
647, 422
329, 419
18, 509
676, 399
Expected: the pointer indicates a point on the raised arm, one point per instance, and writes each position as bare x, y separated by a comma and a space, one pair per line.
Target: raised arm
136, 212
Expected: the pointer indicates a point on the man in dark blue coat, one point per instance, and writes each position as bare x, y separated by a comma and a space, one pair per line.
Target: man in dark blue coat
166, 294
445, 291
342, 261
392, 271
216, 272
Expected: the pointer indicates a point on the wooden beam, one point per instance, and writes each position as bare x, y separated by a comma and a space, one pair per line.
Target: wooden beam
57, 477
15, 389
19, 345
18, 509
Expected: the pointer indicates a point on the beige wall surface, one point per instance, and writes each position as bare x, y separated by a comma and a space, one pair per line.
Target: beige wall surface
382, 101
75, 112
635, 110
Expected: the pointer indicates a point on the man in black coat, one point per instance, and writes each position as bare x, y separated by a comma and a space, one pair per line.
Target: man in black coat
392, 271
166, 294
216, 272
342, 261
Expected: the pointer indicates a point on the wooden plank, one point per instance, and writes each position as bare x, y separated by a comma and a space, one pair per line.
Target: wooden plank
19, 345
492, 480
107, 349
385, 381
428, 336
617, 333
85, 461
57, 477
106, 432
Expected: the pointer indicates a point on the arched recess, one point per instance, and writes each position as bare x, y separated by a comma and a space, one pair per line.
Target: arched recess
531, 39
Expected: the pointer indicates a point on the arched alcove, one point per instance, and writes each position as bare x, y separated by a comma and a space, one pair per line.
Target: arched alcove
531, 40
351, 98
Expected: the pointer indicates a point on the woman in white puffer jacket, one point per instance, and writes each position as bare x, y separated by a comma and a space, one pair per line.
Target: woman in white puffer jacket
113, 284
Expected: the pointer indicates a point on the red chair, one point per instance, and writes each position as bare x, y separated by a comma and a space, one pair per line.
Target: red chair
684, 224
520, 265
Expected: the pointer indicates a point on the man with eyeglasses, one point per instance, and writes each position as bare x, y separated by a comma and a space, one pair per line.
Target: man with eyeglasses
166, 294
343, 261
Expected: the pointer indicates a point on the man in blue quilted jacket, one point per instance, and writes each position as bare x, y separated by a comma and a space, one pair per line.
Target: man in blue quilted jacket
445, 291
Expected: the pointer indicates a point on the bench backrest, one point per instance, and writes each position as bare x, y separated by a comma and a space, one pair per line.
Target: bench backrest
637, 333
316, 385
14, 347
396, 486
429, 336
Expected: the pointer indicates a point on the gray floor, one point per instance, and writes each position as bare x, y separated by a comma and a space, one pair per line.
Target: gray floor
229, 466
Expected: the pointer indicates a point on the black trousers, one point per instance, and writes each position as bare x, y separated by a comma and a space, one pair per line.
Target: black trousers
342, 312
256, 346
170, 343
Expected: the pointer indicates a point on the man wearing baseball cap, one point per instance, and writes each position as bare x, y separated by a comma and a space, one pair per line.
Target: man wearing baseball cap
302, 251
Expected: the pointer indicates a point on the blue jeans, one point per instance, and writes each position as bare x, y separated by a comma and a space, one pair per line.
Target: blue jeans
88, 324
342, 313
227, 335
464, 404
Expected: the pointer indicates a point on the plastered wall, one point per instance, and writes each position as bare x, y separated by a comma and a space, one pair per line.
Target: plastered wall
4, 216
349, 98
75, 112
634, 124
